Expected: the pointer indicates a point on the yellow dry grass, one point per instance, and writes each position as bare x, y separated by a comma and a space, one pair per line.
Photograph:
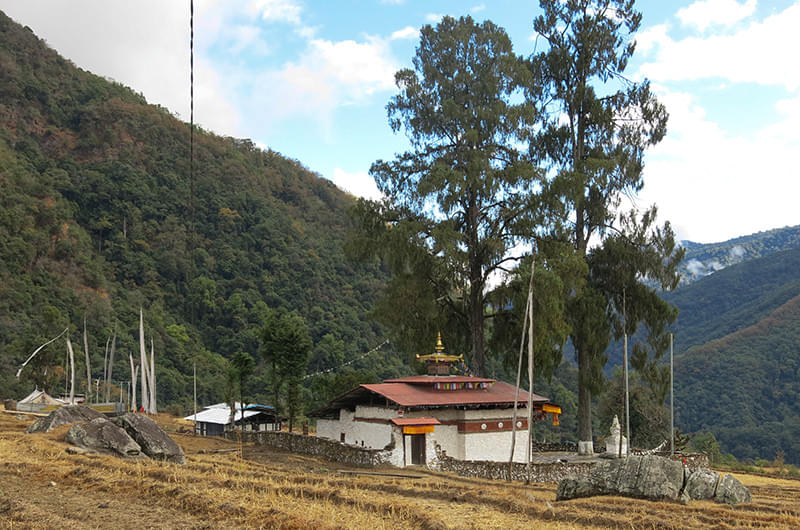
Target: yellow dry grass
42, 486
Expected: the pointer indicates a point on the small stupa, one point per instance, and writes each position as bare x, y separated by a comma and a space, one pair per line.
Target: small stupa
438, 362
612, 442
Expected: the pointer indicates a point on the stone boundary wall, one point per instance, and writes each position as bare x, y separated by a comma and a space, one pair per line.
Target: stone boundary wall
311, 445
564, 447
550, 472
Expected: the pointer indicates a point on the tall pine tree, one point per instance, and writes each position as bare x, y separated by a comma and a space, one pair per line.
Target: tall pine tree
594, 131
452, 201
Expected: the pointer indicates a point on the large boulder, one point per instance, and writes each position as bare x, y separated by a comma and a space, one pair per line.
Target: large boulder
652, 477
103, 436
154, 442
731, 491
644, 477
64, 416
701, 484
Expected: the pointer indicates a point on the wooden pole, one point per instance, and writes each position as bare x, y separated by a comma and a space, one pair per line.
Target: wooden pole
105, 373
153, 408
530, 378
625, 373
194, 369
519, 374
88, 363
671, 402
71, 372
143, 361
111, 359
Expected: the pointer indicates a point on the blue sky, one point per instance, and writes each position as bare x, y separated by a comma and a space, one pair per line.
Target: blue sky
311, 79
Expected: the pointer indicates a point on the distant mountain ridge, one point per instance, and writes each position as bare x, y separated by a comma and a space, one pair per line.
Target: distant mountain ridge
703, 259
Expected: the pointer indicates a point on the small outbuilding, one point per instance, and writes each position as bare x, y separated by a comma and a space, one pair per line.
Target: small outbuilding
215, 419
39, 401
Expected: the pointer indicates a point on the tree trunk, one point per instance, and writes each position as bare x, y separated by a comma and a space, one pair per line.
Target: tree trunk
476, 332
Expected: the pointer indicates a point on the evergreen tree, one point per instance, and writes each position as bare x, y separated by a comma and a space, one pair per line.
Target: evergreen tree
242, 365
287, 346
452, 202
595, 128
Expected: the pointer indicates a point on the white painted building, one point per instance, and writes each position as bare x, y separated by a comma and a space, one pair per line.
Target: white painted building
464, 417
214, 420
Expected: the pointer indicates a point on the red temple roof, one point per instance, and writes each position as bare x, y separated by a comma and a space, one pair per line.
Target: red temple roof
416, 395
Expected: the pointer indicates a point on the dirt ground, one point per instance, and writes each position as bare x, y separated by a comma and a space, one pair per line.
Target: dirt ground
42, 486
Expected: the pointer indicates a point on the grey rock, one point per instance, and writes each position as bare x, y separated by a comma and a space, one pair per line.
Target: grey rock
154, 442
103, 436
731, 491
701, 484
652, 477
645, 477
64, 416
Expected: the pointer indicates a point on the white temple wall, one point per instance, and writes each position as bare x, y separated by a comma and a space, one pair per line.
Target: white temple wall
491, 446
494, 446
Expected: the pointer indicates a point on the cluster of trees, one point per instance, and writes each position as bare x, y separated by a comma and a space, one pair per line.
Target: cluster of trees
535, 153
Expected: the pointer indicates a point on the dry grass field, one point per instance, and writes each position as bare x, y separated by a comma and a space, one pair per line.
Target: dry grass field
42, 486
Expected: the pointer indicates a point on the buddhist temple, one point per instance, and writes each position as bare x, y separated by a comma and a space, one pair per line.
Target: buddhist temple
421, 417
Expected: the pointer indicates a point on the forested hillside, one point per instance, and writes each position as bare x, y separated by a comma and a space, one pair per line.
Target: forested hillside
745, 387
97, 219
734, 298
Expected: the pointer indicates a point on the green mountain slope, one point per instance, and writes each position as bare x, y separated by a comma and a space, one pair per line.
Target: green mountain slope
734, 298
96, 217
745, 387
728, 300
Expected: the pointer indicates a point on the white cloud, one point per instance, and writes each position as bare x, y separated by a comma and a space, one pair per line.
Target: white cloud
363, 67
143, 45
408, 32
278, 10
736, 253
359, 183
721, 185
434, 17
706, 13
246, 37
755, 54
477, 8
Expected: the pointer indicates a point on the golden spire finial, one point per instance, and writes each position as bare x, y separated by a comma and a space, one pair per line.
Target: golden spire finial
439, 346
